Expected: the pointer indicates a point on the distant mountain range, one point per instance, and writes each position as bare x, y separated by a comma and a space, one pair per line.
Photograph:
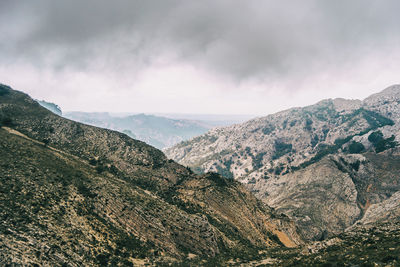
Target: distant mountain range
324, 165
160, 132
50, 106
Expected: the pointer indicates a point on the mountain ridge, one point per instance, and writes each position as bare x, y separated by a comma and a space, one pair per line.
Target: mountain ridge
76, 194
284, 157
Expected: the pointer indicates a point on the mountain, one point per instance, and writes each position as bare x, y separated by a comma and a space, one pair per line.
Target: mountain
74, 194
50, 106
323, 165
213, 120
160, 132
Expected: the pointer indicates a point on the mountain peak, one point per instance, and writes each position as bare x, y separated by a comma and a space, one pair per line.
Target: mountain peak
388, 94
342, 104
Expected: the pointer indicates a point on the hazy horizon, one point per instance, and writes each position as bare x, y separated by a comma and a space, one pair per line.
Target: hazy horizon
209, 57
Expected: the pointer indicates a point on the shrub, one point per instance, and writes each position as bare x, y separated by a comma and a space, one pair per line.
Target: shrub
375, 137
46, 142
356, 147
4, 90
6, 121
278, 170
355, 165
217, 179
385, 144
268, 129
257, 160
281, 149
308, 124
380, 143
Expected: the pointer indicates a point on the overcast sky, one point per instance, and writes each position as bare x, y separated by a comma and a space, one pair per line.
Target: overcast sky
209, 56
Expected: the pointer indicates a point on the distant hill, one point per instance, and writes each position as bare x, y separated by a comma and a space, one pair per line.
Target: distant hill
212, 120
50, 106
160, 132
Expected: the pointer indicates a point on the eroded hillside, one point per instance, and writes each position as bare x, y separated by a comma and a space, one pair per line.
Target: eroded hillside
322, 165
75, 194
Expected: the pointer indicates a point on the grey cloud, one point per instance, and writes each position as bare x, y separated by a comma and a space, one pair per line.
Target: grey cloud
241, 39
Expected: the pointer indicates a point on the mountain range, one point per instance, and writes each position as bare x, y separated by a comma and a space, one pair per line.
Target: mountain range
325, 166
312, 186
158, 131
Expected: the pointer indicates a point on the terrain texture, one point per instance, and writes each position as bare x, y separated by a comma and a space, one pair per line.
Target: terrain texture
326, 166
73, 194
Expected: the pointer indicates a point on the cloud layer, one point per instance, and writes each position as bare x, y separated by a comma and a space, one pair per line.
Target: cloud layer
190, 53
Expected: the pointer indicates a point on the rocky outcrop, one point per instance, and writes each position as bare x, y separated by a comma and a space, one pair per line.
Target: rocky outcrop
385, 211
322, 199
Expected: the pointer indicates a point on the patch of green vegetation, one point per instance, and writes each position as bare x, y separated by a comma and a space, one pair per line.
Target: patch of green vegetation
385, 144
6, 121
340, 166
308, 124
375, 120
279, 169
257, 160
218, 179
322, 152
314, 141
268, 129
380, 143
355, 165
356, 148
4, 90
226, 170
375, 137
284, 124
281, 148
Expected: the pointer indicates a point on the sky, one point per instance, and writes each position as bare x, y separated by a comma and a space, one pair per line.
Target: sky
207, 57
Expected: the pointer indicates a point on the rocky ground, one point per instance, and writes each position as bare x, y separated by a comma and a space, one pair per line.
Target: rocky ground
74, 194
323, 165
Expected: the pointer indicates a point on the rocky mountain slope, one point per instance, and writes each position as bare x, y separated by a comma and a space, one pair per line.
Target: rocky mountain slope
323, 165
75, 194
157, 131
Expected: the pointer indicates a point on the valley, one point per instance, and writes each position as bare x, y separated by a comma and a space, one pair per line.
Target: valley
73, 193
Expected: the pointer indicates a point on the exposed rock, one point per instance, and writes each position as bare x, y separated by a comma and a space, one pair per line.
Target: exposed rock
322, 165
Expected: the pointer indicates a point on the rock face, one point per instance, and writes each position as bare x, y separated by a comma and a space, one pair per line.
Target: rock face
75, 194
386, 211
322, 165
